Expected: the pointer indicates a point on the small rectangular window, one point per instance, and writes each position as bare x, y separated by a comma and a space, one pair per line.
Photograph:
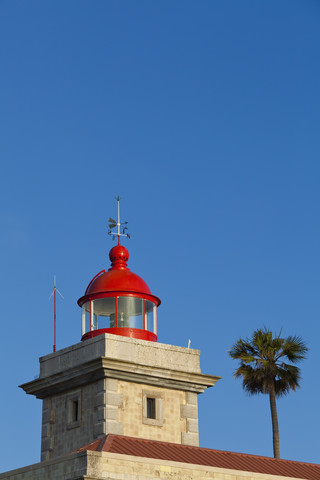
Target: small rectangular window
151, 407
75, 411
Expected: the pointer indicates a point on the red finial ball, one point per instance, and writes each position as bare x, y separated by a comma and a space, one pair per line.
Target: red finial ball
119, 256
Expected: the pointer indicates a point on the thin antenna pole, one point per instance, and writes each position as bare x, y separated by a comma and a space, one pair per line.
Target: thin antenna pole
119, 224
55, 314
54, 293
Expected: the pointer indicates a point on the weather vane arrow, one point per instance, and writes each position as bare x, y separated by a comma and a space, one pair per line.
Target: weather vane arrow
122, 229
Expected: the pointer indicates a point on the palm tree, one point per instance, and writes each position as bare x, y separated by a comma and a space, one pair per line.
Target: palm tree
263, 368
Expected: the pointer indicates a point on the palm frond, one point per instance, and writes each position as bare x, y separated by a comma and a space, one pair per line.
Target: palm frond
261, 362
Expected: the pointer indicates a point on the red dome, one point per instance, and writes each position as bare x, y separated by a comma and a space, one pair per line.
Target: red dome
117, 280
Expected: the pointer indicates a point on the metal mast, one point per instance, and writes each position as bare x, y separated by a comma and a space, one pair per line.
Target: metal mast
54, 293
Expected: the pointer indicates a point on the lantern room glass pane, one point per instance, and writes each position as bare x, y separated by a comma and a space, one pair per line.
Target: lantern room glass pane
150, 310
133, 312
87, 316
130, 312
103, 312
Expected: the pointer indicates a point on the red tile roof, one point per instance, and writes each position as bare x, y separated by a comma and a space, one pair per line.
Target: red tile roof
203, 456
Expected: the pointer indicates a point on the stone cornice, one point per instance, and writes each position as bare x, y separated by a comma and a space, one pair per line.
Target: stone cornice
104, 367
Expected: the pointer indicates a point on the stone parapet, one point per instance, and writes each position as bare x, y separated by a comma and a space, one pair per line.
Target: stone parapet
121, 348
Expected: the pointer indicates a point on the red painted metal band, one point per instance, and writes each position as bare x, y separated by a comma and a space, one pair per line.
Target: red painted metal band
123, 293
124, 332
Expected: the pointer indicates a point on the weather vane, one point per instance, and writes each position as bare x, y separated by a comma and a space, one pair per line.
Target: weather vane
121, 226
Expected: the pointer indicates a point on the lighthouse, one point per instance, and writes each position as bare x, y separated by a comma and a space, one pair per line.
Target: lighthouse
118, 379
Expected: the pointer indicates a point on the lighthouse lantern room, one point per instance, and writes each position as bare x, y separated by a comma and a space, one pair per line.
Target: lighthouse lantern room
118, 301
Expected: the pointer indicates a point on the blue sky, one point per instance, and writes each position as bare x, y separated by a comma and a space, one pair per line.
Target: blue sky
204, 117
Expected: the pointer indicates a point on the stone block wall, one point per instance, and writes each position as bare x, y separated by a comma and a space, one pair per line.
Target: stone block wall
99, 403
115, 467
73, 467
189, 411
114, 406
112, 466
59, 435
170, 426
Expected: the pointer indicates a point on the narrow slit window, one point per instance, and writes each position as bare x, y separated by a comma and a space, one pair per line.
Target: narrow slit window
151, 408
75, 411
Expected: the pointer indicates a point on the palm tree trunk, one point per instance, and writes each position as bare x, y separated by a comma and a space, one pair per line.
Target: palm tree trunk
275, 427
